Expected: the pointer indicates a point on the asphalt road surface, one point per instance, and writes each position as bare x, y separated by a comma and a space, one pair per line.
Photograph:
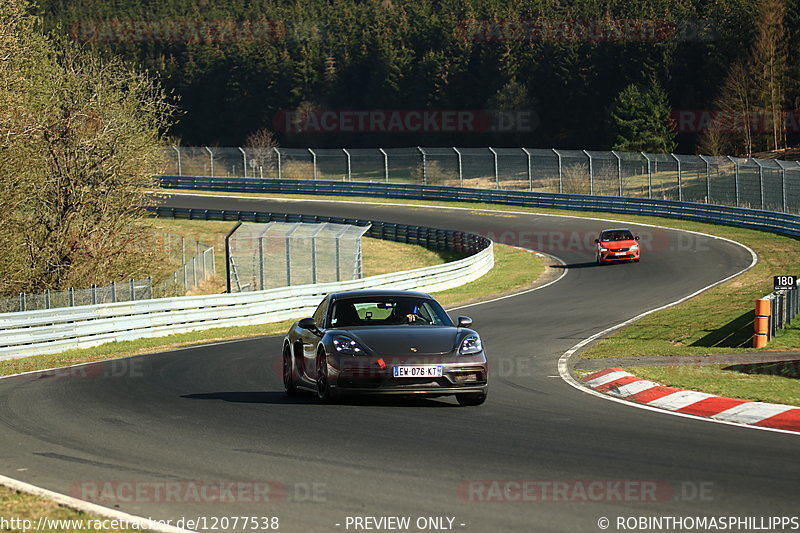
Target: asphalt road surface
144, 434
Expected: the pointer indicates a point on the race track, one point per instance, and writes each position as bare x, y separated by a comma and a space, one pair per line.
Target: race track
217, 412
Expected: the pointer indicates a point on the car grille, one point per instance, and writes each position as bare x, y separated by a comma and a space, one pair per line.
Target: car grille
618, 249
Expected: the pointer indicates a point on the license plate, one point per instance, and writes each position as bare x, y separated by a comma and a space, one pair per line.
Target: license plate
620, 253
418, 371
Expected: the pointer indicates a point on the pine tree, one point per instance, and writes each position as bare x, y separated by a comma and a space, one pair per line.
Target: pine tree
640, 120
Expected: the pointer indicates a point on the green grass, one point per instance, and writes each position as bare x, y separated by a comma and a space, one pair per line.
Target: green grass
715, 379
19, 506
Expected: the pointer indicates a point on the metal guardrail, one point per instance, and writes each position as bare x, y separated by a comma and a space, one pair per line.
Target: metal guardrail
782, 223
50, 331
785, 306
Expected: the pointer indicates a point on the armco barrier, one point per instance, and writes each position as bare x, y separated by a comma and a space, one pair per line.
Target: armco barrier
49, 331
783, 223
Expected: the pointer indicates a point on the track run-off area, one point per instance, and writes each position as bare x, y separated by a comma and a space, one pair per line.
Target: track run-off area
538, 456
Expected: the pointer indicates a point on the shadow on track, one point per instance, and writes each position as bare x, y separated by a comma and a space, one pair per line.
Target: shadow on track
275, 397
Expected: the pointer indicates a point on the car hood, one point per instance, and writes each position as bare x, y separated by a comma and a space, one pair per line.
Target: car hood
617, 244
399, 340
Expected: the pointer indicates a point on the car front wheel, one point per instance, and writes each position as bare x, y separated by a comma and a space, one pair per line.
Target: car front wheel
324, 390
288, 378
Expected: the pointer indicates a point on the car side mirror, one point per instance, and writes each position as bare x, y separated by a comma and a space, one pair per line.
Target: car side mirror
597, 241
637, 237
464, 321
308, 323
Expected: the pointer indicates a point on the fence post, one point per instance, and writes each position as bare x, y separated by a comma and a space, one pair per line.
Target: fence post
649, 176
211, 154
71, 297
424, 166
708, 178
619, 171
113, 292
47, 298
133, 289
680, 180
261, 277
228, 257
314, 161
735, 179
94, 294
385, 166
280, 170
560, 173
760, 181
22, 302
496, 173
180, 167
349, 168
460, 169
591, 173
244, 160
530, 174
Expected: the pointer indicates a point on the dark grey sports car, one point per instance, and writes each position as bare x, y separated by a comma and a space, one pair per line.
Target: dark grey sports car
384, 342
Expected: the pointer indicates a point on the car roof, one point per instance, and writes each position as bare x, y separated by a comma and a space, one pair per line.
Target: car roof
615, 229
371, 293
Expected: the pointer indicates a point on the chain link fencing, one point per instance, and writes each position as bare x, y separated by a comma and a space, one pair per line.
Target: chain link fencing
277, 254
768, 184
197, 265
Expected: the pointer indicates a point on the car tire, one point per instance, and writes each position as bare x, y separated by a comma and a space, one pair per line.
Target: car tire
289, 386
471, 398
324, 391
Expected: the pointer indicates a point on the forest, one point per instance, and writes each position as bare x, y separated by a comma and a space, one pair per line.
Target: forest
569, 74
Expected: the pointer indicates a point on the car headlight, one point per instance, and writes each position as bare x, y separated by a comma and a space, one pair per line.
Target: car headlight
603, 249
347, 346
635, 247
471, 345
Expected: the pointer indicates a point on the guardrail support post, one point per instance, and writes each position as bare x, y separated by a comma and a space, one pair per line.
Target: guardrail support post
211, 155
530, 173
313, 161
180, 167
761, 324
680, 178
460, 168
496, 172
591, 173
244, 160
349, 167
560, 172
385, 166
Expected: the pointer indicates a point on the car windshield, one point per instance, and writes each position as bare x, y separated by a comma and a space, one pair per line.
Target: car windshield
617, 235
388, 311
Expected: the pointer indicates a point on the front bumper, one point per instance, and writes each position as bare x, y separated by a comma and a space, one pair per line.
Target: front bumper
611, 256
366, 377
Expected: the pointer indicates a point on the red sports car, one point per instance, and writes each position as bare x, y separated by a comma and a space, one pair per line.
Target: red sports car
617, 245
